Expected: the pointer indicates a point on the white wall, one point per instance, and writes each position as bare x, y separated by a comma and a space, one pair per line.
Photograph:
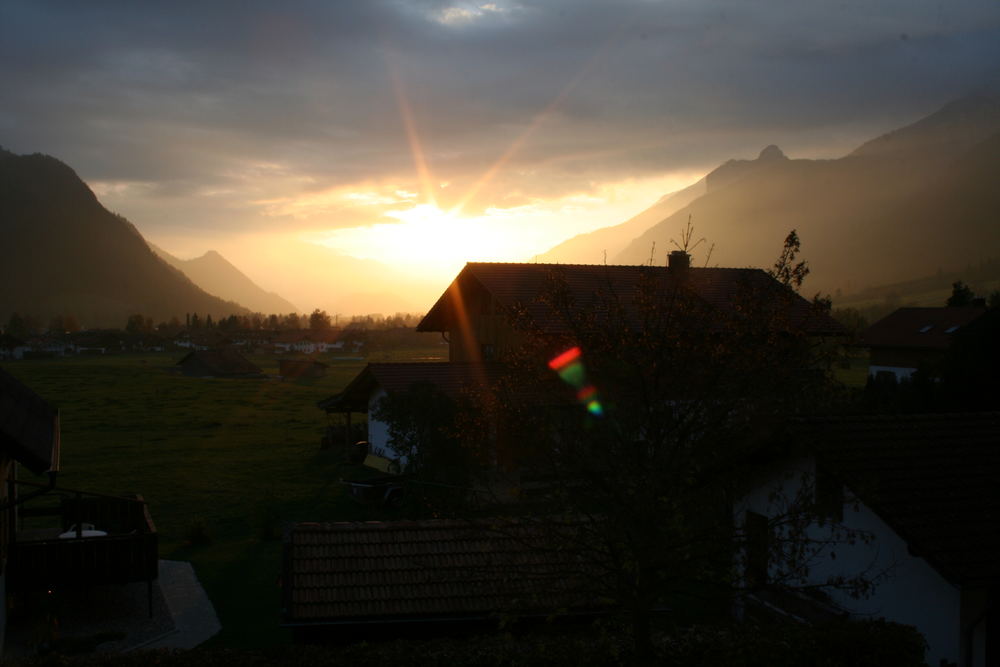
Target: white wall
900, 372
909, 590
378, 431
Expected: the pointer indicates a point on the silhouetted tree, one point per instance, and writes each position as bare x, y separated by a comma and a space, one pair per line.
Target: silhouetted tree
961, 295
319, 321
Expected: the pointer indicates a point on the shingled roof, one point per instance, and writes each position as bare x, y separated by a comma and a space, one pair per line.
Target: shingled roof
29, 427
220, 362
448, 377
341, 573
590, 286
920, 328
933, 478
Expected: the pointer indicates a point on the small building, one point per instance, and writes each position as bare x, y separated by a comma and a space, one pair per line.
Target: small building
909, 338
301, 368
430, 577
922, 490
89, 538
218, 363
377, 380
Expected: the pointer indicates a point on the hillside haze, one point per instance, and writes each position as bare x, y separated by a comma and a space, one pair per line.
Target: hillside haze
902, 205
64, 253
216, 275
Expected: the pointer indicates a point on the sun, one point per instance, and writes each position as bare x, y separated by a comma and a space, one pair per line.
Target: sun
428, 239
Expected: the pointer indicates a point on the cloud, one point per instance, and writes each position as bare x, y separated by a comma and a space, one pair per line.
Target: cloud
244, 115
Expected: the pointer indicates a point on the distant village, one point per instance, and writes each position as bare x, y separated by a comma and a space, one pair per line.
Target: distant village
316, 333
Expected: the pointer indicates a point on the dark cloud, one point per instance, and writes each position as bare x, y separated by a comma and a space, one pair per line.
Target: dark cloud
190, 98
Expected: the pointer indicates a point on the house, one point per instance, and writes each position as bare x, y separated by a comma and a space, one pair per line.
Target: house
490, 311
11, 347
301, 368
220, 363
427, 577
910, 338
377, 380
477, 311
922, 489
29, 435
308, 342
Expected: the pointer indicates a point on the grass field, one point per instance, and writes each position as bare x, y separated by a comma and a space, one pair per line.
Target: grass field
232, 459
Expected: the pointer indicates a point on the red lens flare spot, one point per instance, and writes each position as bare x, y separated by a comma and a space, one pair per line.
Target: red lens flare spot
565, 358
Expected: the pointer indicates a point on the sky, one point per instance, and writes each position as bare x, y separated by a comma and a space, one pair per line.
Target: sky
385, 143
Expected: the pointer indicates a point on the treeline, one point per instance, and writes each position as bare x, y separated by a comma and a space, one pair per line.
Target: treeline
22, 326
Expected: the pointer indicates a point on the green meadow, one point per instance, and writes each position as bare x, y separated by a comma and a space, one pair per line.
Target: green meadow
223, 464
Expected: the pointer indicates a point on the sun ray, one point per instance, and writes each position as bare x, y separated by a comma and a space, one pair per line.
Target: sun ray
410, 126
539, 118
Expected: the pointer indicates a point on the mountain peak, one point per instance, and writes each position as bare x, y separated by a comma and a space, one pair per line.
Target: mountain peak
771, 152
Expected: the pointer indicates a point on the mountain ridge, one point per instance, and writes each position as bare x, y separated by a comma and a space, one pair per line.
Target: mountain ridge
64, 253
916, 198
216, 275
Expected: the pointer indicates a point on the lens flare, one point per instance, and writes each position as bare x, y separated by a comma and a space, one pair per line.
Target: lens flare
569, 366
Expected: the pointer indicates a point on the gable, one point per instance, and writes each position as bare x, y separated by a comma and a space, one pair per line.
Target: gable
525, 287
920, 328
932, 478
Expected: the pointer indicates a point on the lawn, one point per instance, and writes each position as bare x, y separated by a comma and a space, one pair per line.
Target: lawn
233, 460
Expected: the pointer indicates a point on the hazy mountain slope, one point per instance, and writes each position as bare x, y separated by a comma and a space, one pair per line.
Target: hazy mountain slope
590, 248
216, 275
64, 253
909, 203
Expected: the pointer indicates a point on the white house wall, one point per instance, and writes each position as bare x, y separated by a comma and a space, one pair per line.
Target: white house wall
910, 591
901, 372
378, 431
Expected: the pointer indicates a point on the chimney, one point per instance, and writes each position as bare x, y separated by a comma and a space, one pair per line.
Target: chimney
678, 262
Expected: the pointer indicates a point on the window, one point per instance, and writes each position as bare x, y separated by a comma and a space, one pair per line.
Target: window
488, 352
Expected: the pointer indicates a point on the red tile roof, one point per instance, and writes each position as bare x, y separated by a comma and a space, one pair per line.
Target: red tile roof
590, 286
432, 569
29, 427
933, 478
920, 328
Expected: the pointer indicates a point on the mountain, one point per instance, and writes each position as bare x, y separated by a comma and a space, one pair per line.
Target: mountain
902, 205
63, 253
593, 247
216, 275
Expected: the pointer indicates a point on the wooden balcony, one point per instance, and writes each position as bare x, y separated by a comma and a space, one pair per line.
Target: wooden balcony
65, 538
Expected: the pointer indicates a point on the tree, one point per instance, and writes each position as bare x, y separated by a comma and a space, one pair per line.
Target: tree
644, 443
319, 321
961, 295
138, 323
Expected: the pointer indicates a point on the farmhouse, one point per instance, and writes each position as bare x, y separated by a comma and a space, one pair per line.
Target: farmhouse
924, 488
220, 363
910, 338
490, 310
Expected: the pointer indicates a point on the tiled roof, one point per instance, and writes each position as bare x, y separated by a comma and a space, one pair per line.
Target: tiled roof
29, 427
347, 572
590, 286
933, 478
921, 328
222, 361
450, 378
